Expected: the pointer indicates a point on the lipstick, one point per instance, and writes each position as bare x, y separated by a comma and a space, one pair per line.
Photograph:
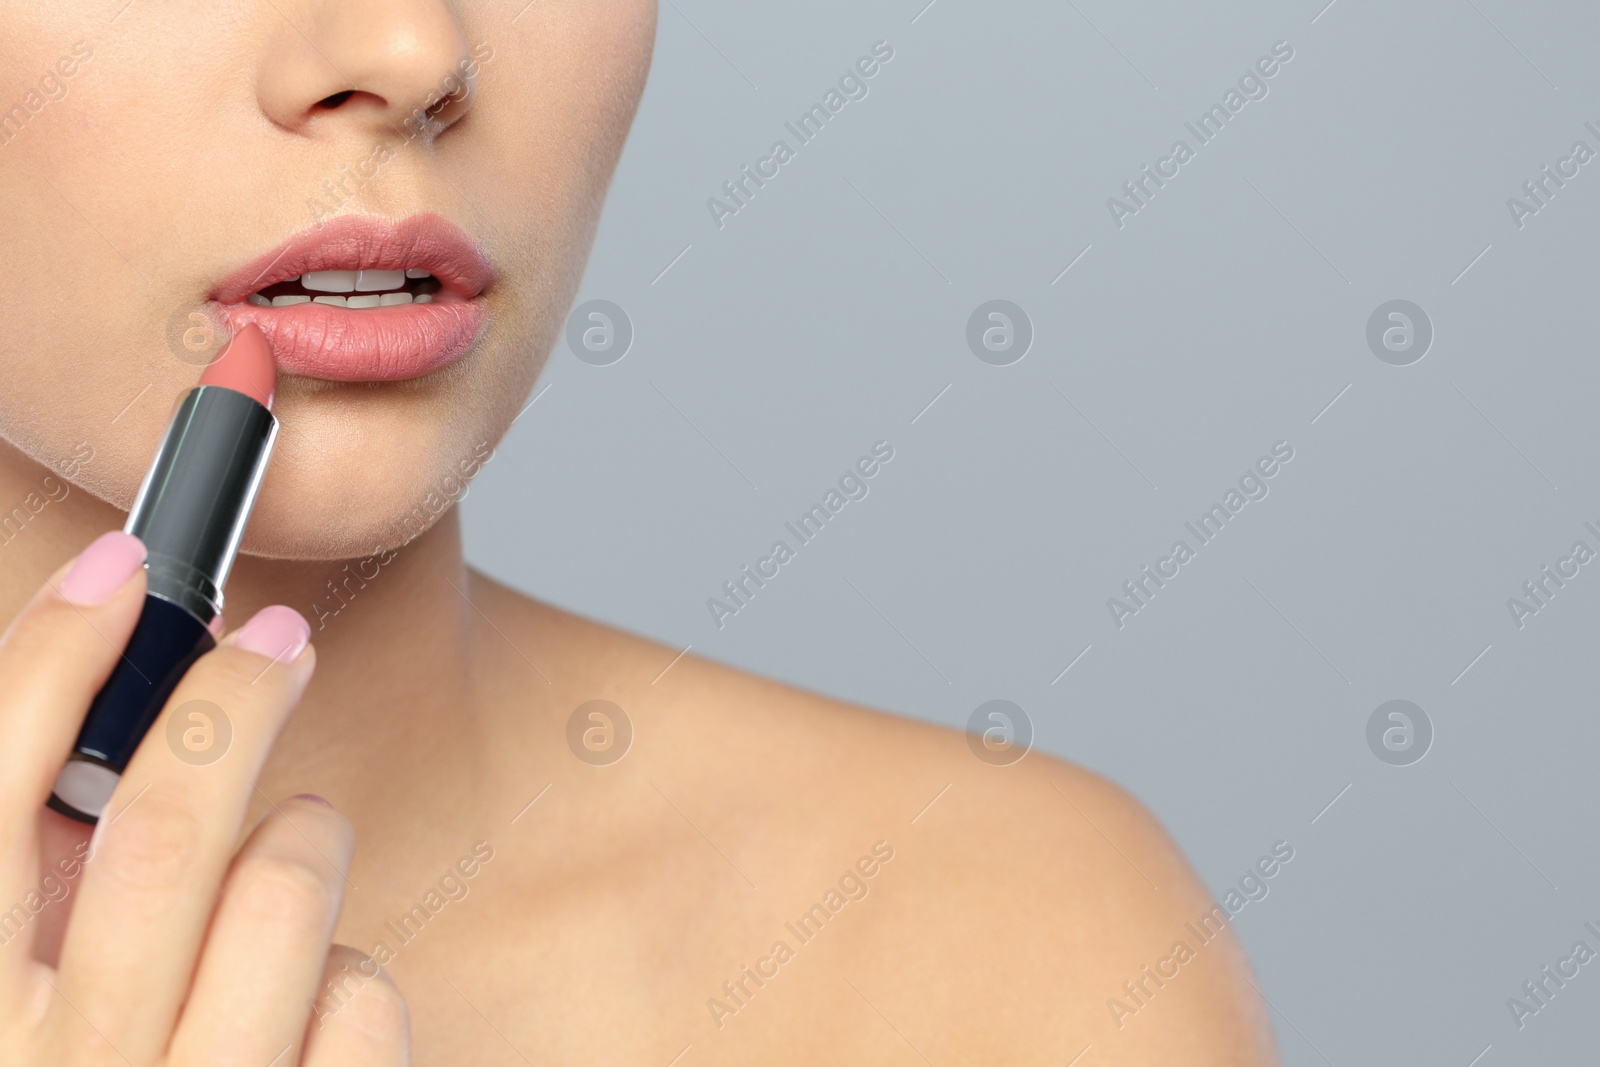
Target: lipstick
190, 513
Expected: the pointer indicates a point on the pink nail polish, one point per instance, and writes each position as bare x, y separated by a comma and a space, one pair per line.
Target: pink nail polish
103, 568
313, 798
279, 633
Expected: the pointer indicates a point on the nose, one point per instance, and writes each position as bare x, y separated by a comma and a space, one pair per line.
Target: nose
382, 66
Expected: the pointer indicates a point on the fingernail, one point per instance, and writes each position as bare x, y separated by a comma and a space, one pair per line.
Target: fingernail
279, 633
103, 568
313, 798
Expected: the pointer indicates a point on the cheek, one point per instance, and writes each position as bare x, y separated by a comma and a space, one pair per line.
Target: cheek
556, 104
71, 375
554, 107
85, 358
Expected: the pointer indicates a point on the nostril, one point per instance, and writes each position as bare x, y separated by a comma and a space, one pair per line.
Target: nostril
336, 99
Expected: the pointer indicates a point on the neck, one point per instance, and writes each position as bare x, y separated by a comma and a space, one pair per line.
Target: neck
392, 633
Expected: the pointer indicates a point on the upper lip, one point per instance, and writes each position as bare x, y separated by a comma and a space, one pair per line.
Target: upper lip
366, 242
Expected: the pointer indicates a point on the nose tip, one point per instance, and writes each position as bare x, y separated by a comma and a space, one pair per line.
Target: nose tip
399, 66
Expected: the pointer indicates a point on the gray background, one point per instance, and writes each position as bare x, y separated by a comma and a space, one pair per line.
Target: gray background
1224, 317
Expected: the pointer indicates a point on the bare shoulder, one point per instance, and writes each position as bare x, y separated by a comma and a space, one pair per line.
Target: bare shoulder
1029, 912
922, 896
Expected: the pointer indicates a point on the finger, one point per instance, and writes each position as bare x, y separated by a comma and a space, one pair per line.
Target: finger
264, 956
160, 853
54, 656
360, 1019
63, 847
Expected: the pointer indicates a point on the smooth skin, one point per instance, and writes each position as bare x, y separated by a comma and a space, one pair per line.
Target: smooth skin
531, 907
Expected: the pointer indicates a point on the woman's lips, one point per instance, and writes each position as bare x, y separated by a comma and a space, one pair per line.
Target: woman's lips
366, 344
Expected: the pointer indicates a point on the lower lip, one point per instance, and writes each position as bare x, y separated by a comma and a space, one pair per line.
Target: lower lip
366, 344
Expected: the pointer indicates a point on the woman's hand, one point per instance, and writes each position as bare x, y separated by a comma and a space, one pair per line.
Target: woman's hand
164, 945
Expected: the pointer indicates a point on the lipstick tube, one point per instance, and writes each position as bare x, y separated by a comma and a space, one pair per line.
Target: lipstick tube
190, 513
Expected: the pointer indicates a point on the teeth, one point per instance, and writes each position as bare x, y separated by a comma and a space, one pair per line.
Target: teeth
329, 281
376, 288
373, 281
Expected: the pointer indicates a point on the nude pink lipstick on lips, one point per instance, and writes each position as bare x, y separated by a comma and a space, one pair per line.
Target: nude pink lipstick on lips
363, 298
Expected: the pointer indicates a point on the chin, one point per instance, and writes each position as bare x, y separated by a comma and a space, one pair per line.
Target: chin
353, 476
